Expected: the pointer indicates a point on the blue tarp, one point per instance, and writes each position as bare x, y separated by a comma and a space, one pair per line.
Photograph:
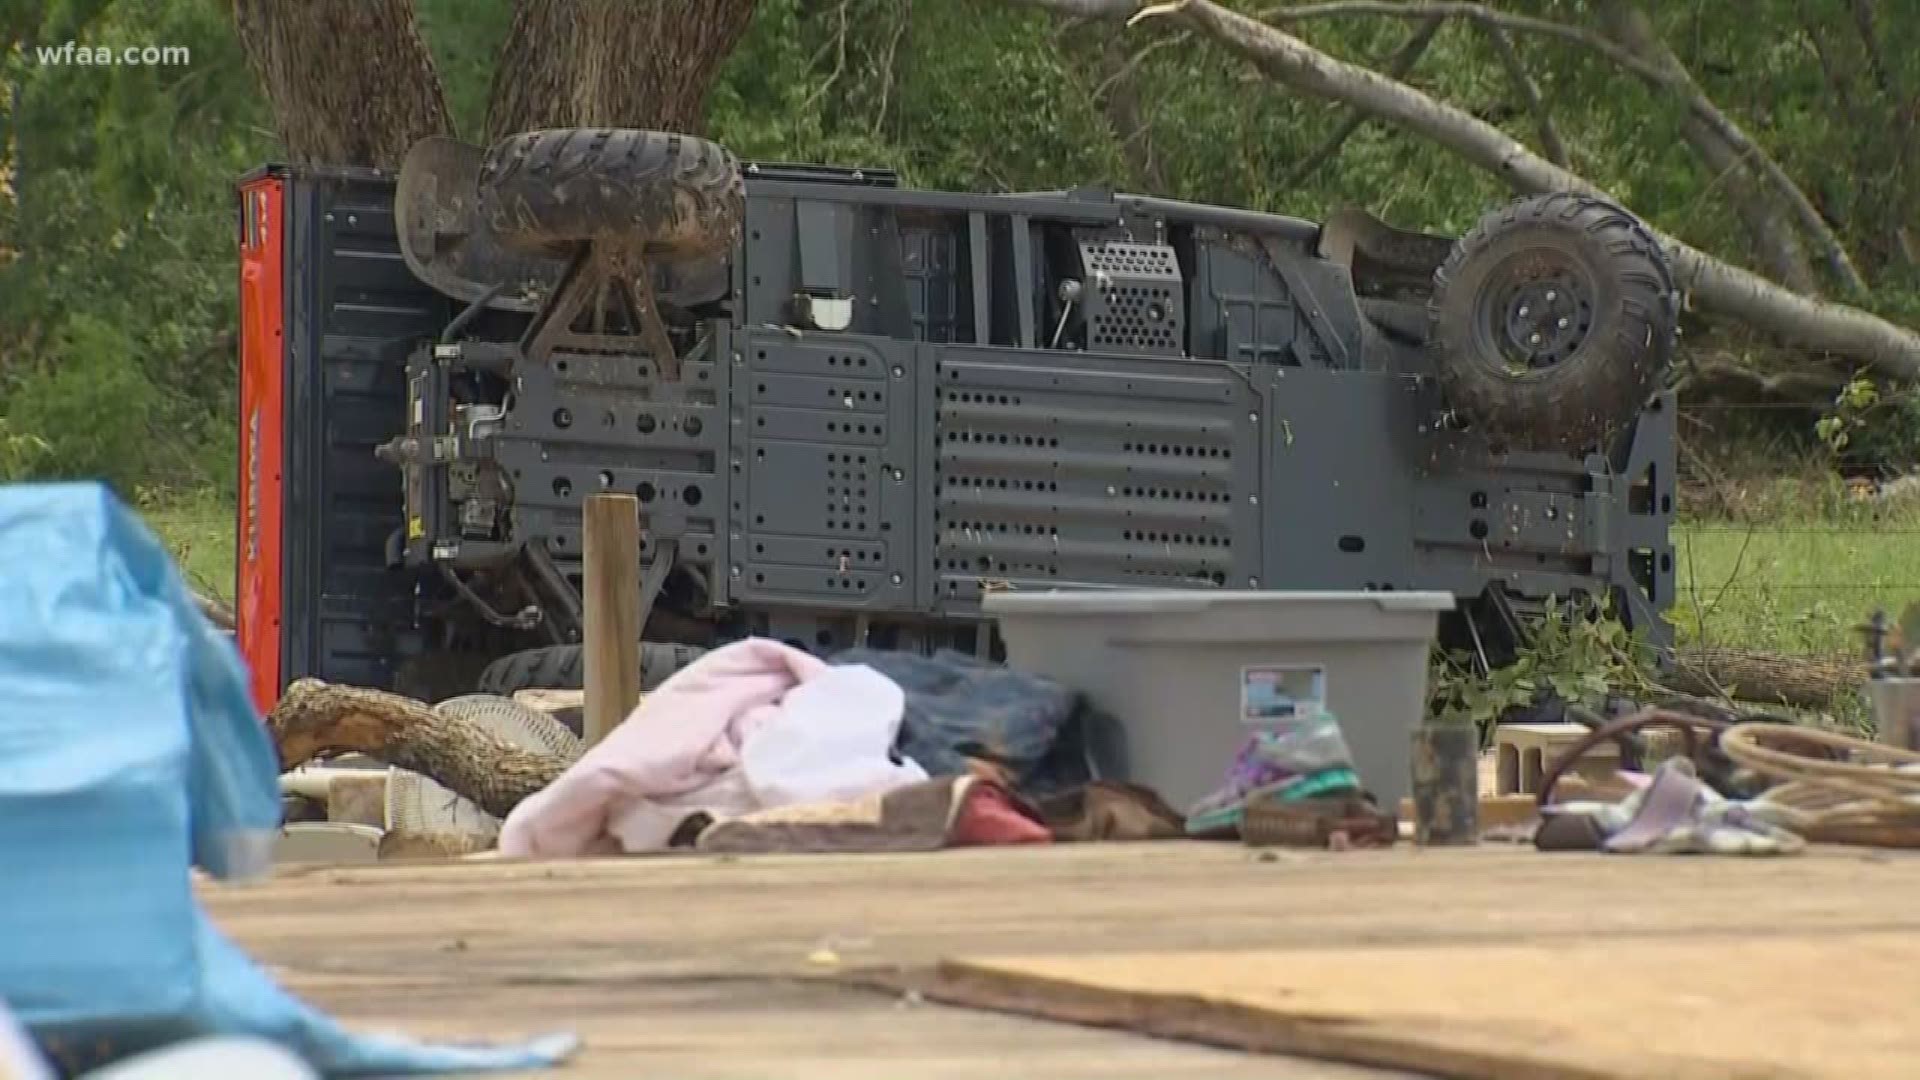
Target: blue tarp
129, 750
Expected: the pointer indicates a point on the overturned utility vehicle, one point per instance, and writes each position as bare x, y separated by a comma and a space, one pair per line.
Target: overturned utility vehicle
848, 408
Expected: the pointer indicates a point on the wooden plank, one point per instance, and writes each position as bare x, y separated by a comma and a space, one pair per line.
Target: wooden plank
764, 915
753, 1029
611, 567
1814, 1005
634, 935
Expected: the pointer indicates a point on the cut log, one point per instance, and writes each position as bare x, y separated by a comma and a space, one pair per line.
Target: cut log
1805, 682
315, 718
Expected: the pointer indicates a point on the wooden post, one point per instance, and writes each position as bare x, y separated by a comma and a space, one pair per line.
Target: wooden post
612, 569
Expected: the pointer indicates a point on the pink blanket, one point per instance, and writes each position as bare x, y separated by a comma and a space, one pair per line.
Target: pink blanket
753, 725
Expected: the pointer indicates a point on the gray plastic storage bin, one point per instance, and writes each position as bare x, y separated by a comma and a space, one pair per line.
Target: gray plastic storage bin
1189, 675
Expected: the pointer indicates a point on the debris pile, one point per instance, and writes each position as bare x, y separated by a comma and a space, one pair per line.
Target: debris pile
759, 746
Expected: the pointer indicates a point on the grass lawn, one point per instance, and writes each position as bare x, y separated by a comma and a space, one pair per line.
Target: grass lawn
200, 533
1796, 569
1794, 588
1794, 574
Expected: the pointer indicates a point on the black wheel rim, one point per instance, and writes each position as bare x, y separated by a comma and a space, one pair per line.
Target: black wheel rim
1536, 310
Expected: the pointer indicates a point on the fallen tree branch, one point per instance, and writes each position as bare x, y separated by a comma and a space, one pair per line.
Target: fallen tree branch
1863, 20
1472, 12
1672, 78
315, 718
1715, 284
1774, 239
1802, 682
1529, 92
217, 611
1119, 100
1722, 378
1401, 63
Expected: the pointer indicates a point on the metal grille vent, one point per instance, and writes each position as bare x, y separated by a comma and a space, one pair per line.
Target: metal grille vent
1137, 304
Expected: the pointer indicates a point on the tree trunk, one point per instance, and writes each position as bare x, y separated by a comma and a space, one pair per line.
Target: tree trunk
594, 63
315, 718
1806, 682
350, 83
1716, 285
1772, 235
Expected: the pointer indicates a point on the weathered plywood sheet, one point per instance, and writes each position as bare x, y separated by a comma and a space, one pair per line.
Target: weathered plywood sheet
1817, 1006
665, 963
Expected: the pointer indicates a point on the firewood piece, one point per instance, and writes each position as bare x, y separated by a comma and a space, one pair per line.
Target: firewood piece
315, 718
1807, 682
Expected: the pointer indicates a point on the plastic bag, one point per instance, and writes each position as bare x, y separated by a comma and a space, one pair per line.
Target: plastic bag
1301, 758
129, 749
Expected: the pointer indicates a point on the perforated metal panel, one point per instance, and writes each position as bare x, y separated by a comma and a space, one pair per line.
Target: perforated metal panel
1135, 297
1099, 469
591, 423
826, 512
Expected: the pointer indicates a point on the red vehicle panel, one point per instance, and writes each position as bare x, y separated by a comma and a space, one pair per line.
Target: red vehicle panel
257, 586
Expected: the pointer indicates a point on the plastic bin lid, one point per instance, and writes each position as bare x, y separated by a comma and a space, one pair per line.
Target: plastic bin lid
1069, 602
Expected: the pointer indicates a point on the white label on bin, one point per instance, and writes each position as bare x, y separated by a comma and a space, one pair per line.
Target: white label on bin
1272, 692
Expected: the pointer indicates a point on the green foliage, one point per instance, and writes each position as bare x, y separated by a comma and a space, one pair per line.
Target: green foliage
1576, 651
197, 526
1836, 429
1798, 573
1872, 426
90, 407
20, 452
464, 36
117, 307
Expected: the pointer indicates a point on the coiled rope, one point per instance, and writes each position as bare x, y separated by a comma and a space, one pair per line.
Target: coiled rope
1846, 789
1834, 788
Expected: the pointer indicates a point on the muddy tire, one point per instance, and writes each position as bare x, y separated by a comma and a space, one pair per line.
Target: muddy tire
1553, 322
564, 667
670, 196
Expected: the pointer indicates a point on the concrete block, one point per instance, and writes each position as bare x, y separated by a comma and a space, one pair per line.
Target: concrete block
327, 842
401, 845
1522, 753
358, 798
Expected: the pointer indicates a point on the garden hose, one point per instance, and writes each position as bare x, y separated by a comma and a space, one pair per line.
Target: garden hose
1623, 731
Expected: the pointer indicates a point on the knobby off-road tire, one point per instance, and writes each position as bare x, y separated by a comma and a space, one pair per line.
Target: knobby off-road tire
1553, 322
564, 667
668, 196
